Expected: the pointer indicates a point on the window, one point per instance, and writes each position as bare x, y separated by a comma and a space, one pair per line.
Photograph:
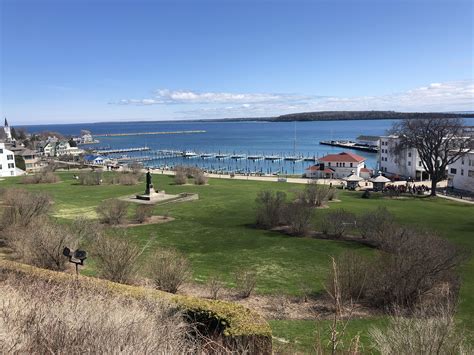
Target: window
470, 173
453, 171
344, 164
0, 166
409, 163
462, 171
351, 165
1, 151
419, 163
409, 154
462, 161
10, 157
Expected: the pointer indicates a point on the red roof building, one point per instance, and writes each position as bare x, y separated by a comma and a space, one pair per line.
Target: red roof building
337, 166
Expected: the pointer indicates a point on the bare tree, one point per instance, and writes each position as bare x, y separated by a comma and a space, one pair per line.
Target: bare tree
270, 208
439, 143
298, 216
169, 269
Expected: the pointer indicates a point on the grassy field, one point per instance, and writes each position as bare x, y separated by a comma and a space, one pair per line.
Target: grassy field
216, 234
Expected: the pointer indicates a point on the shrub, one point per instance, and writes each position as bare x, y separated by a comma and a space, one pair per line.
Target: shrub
61, 319
127, 179
86, 230
116, 258
298, 216
352, 272
337, 222
270, 208
143, 212
376, 224
245, 282
366, 194
180, 178
215, 285
112, 211
314, 195
43, 247
412, 265
45, 177
169, 269
22, 207
90, 178
422, 333
332, 194
200, 178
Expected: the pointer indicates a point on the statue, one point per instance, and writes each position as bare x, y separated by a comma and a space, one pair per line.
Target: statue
149, 186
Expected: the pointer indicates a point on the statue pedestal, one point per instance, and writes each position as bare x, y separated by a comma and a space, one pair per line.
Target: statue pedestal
151, 195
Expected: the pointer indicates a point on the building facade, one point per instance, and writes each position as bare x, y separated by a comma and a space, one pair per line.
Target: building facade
336, 166
461, 173
7, 162
405, 163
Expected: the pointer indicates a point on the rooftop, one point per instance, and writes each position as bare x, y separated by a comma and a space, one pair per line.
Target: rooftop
343, 157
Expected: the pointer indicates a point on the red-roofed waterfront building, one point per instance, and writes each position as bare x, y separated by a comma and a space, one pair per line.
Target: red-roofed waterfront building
337, 166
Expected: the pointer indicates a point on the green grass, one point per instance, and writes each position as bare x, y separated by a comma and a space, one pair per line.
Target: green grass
215, 232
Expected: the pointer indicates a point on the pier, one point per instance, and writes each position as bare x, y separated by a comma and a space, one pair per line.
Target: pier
351, 145
122, 150
147, 133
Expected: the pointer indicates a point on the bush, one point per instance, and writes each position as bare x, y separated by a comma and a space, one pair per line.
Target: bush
200, 178
45, 177
143, 213
39, 317
112, 211
245, 282
180, 178
22, 207
90, 178
412, 265
375, 225
116, 258
43, 247
298, 216
169, 269
332, 194
337, 222
422, 333
215, 285
351, 278
270, 208
366, 194
314, 195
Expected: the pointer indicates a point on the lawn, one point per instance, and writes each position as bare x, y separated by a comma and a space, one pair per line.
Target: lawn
217, 235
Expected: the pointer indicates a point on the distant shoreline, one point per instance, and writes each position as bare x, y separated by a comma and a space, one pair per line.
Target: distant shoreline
296, 117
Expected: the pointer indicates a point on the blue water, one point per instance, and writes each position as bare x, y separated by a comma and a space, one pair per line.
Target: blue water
275, 138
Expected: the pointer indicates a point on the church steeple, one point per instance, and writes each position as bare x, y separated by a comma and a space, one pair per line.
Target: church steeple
6, 129
6, 122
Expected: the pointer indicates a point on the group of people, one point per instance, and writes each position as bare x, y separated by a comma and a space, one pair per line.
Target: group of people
407, 188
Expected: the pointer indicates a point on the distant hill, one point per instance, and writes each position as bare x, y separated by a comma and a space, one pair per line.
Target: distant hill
349, 115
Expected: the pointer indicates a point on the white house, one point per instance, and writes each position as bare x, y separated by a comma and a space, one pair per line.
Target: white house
461, 173
405, 163
7, 162
336, 166
94, 159
59, 148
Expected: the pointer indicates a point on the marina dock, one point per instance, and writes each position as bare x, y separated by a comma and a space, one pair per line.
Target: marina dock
121, 150
147, 133
351, 145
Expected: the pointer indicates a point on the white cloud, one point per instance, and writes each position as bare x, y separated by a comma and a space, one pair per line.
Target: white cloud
447, 96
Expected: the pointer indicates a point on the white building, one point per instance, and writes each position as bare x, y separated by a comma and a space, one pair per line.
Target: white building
336, 166
405, 163
59, 148
7, 162
461, 173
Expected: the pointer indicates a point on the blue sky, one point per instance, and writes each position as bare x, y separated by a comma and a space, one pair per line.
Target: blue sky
103, 60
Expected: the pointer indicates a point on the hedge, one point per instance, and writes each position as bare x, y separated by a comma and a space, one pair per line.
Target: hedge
233, 325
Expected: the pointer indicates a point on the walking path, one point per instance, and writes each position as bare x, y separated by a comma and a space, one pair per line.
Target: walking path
455, 199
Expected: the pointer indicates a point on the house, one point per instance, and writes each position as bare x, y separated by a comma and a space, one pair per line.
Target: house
7, 162
54, 148
336, 166
30, 158
404, 163
94, 159
461, 173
